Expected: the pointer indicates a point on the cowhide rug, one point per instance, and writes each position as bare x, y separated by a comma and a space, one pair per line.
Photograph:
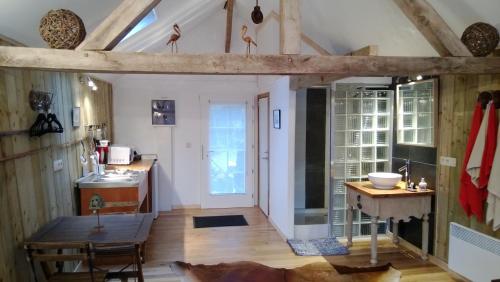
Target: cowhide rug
315, 272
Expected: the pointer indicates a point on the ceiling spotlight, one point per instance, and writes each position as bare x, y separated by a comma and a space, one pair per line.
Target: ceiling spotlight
419, 77
94, 88
90, 82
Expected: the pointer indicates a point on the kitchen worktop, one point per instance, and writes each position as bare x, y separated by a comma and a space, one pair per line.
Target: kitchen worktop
366, 187
145, 165
112, 179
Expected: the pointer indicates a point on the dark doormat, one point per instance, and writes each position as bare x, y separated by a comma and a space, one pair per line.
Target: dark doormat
219, 221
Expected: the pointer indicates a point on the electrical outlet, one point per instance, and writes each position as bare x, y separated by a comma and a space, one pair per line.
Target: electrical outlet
448, 161
58, 165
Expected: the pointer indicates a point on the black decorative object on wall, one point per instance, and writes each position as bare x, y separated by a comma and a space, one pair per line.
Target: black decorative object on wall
45, 122
257, 16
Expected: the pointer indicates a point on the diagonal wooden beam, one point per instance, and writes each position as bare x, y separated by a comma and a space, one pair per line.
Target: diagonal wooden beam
7, 41
433, 28
218, 64
306, 39
370, 50
229, 24
290, 27
117, 25
304, 81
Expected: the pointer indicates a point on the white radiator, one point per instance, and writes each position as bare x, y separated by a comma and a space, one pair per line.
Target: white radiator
473, 255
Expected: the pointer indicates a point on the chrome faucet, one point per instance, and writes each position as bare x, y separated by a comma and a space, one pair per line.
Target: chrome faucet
406, 169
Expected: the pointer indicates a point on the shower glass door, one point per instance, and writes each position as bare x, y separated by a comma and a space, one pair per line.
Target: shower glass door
361, 143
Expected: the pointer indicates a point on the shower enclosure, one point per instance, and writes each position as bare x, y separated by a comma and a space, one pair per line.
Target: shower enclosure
361, 142
312, 164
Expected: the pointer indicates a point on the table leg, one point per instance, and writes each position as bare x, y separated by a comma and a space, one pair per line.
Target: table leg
425, 236
395, 225
374, 227
350, 211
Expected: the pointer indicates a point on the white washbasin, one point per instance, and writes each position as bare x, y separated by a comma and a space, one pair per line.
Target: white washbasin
384, 180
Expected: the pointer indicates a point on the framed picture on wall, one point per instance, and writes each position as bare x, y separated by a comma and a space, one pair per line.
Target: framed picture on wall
75, 116
163, 112
277, 119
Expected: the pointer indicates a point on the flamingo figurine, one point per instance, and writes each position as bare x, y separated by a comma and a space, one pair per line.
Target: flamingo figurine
247, 39
174, 37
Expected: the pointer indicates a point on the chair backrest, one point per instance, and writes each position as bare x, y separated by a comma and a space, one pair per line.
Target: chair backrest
43, 252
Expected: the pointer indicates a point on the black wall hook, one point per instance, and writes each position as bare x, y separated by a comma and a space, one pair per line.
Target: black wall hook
496, 98
484, 98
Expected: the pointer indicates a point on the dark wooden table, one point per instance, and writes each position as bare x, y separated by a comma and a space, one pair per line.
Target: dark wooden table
119, 229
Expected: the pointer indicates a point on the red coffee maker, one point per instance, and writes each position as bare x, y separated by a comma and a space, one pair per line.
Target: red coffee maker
103, 149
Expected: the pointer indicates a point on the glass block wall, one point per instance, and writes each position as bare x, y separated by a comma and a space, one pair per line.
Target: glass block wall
415, 113
361, 143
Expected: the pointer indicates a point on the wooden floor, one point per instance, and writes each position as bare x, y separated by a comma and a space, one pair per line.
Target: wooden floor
173, 238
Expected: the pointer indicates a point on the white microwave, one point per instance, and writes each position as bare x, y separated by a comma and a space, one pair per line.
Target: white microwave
120, 155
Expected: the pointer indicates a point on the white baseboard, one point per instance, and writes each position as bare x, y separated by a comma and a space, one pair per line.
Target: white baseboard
282, 235
185, 207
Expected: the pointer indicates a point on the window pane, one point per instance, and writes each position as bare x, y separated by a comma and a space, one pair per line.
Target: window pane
227, 143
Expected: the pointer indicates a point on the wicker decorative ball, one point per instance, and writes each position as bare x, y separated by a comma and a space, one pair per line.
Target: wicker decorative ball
62, 29
481, 39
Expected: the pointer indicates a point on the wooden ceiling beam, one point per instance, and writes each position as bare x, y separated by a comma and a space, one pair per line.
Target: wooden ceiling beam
117, 25
229, 24
137, 62
304, 81
433, 28
290, 27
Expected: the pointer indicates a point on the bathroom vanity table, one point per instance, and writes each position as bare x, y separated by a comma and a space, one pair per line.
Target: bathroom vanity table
396, 204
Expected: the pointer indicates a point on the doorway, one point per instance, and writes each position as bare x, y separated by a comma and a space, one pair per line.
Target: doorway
263, 152
226, 153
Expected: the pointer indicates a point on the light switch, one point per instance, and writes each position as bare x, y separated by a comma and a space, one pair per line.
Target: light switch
448, 161
58, 165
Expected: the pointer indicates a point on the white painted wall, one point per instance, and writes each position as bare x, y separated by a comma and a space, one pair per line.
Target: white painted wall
281, 157
179, 147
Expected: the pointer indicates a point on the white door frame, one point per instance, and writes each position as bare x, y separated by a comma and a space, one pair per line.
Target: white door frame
259, 195
226, 201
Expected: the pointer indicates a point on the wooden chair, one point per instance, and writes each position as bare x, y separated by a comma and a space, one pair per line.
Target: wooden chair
44, 253
121, 254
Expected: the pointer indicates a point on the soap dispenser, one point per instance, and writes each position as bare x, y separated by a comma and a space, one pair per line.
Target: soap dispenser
422, 185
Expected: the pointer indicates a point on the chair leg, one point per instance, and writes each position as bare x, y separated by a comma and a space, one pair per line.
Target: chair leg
91, 263
140, 276
32, 263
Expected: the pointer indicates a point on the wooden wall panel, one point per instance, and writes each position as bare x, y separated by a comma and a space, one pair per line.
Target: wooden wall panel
458, 94
31, 193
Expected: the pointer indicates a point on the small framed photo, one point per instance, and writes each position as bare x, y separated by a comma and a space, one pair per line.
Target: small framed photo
163, 112
277, 119
75, 116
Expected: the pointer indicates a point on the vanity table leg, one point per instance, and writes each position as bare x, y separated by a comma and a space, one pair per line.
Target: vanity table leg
425, 236
350, 211
395, 225
374, 227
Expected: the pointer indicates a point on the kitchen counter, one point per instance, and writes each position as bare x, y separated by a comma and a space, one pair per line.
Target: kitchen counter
112, 180
145, 165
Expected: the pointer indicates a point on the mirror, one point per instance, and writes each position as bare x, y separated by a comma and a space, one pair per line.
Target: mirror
417, 113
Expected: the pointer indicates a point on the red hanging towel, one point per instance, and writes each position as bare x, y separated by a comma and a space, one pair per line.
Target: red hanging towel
466, 187
489, 148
